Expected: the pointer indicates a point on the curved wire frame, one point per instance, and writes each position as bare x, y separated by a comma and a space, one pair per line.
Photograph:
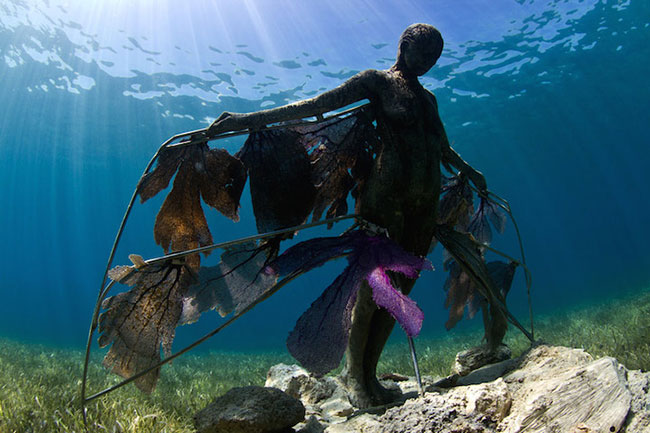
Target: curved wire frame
180, 140
201, 135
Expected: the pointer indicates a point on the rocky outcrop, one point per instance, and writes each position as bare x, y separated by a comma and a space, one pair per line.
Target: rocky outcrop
474, 408
560, 389
553, 389
549, 389
325, 399
250, 409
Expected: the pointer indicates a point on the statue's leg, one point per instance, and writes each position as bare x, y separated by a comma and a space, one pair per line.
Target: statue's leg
371, 326
498, 322
368, 336
353, 372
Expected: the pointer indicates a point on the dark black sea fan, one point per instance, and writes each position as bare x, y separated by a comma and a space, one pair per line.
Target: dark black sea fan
281, 186
456, 202
136, 323
341, 152
479, 226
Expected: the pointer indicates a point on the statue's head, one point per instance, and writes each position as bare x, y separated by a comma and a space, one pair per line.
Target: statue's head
419, 49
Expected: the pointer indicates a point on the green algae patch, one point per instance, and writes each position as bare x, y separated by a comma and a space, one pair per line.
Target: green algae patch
40, 390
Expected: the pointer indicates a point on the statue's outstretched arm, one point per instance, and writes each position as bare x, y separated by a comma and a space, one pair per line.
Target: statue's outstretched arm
354, 89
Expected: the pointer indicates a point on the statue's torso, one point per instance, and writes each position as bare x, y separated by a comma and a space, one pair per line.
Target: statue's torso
402, 191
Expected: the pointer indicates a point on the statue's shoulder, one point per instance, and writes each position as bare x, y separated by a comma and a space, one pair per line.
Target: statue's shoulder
374, 74
372, 79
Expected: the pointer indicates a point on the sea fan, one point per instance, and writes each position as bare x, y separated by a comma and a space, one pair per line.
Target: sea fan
479, 226
456, 202
462, 291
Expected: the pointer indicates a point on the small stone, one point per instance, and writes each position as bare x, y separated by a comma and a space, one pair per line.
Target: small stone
410, 386
487, 373
476, 357
250, 409
395, 377
312, 425
365, 423
298, 383
337, 407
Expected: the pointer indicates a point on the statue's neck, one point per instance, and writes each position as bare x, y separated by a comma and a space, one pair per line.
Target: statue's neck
404, 74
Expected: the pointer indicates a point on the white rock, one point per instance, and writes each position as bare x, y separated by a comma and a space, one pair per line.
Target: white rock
338, 404
592, 395
490, 399
298, 383
638, 421
337, 407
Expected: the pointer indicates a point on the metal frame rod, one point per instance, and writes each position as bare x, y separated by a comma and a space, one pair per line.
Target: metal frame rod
503, 204
416, 366
247, 239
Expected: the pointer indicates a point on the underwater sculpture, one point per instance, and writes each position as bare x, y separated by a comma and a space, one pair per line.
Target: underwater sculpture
298, 169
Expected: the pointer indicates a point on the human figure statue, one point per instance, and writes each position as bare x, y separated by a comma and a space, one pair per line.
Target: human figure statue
402, 191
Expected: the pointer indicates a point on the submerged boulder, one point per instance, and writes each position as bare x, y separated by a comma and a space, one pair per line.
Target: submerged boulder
561, 389
250, 409
474, 408
553, 389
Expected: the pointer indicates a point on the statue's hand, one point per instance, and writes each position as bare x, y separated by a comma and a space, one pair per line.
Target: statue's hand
479, 181
226, 122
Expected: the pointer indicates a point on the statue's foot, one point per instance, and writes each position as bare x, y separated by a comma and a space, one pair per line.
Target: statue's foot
369, 392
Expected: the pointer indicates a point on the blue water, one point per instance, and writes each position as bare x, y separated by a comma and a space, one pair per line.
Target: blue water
550, 99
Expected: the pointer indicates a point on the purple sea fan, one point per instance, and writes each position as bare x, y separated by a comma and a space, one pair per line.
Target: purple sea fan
400, 306
320, 336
